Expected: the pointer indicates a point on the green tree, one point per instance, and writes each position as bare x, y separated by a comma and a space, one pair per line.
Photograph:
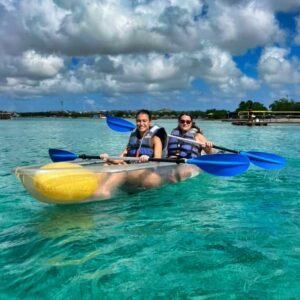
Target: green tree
249, 104
284, 104
216, 114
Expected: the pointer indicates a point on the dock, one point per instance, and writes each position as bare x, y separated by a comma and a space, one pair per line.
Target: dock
5, 116
250, 123
263, 118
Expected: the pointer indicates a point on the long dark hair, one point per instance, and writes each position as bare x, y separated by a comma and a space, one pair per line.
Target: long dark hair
144, 112
198, 130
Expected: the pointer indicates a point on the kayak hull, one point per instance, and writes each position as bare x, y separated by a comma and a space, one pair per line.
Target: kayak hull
69, 183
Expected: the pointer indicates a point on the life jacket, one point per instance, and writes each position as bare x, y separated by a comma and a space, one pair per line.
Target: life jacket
138, 146
183, 149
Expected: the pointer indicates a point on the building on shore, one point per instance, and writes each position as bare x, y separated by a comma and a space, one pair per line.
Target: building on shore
265, 117
5, 116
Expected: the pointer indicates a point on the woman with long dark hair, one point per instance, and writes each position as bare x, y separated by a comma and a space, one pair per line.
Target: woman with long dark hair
145, 142
188, 130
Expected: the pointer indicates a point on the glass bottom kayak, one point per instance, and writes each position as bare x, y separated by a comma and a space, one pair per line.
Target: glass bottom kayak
67, 183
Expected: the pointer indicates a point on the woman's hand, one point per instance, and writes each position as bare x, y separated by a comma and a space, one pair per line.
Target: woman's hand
104, 157
144, 158
207, 146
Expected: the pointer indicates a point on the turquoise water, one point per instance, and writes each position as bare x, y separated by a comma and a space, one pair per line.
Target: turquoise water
206, 238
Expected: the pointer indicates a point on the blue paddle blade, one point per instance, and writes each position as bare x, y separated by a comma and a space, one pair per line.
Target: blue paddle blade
119, 124
58, 155
221, 164
265, 160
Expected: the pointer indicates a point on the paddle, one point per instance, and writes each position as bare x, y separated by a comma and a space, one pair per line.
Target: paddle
58, 155
268, 161
119, 124
215, 164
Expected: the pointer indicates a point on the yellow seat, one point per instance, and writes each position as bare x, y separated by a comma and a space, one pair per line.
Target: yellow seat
65, 182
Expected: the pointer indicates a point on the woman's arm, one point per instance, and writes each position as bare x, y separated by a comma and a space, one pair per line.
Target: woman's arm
105, 157
207, 145
157, 147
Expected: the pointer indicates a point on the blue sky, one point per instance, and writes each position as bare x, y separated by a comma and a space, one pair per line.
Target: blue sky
93, 55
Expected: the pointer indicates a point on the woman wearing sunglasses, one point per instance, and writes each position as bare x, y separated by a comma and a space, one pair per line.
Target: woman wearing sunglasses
188, 130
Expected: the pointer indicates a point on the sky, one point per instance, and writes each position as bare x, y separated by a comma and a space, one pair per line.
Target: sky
91, 55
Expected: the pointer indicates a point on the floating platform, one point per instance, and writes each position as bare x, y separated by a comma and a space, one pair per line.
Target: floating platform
250, 123
5, 116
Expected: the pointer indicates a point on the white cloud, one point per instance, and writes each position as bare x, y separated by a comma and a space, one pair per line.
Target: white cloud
276, 68
115, 27
31, 65
7, 4
140, 46
145, 73
285, 6
40, 66
239, 26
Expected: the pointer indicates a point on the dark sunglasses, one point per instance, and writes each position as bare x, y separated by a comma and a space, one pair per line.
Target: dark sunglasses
185, 121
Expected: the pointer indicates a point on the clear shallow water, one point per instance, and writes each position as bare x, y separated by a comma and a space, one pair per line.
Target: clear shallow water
206, 238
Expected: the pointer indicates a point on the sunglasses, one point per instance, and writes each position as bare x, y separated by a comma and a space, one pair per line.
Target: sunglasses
185, 121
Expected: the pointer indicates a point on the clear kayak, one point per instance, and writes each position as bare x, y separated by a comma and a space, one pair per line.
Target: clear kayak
67, 183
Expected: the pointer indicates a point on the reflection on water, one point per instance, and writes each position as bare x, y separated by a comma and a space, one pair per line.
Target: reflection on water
56, 221
63, 261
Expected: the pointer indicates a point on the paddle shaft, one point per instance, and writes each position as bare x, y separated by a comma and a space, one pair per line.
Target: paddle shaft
200, 161
178, 161
215, 164
58, 155
189, 141
84, 156
170, 160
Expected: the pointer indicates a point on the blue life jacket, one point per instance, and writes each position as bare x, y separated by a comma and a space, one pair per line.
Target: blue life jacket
183, 149
138, 146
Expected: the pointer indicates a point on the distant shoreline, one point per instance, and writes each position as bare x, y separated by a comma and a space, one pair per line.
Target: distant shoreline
269, 121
